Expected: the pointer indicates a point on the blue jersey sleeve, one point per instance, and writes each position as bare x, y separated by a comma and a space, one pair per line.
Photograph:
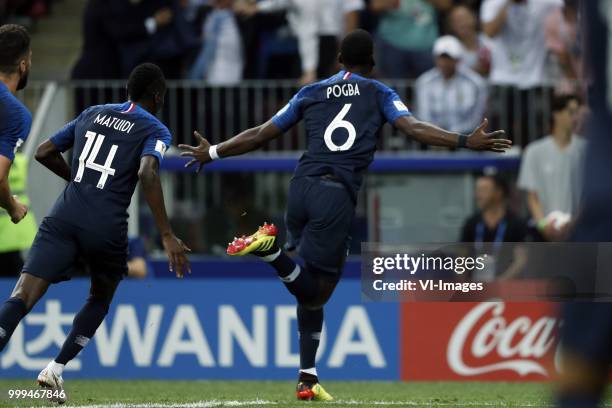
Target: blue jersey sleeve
64, 138
391, 105
157, 144
13, 136
291, 114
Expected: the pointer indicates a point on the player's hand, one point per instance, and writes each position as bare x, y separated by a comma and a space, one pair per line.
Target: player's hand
198, 153
176, 250
17, 210
493, 141
553, 233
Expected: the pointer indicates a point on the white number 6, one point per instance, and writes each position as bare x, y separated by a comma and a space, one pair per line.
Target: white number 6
339, 122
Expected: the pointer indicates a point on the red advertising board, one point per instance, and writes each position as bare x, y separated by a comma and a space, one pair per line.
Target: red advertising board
497, 341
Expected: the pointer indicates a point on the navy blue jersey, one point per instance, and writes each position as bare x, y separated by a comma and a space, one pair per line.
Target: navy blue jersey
343, 116
595, 220
15, 123
108, 142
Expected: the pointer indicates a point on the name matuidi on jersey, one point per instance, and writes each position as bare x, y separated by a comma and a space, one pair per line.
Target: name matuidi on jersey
342, 90
121, 125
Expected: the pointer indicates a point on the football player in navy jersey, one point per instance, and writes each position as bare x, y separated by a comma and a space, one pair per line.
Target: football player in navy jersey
113, 147
586, 333
343, 116
15, 119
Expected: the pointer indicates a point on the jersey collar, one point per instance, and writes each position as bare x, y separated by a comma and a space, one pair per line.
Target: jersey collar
129, 107
348, 75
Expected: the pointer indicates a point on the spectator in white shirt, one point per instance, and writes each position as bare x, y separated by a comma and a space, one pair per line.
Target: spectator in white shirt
551, 172
220, 61
450, 95
519, 73
516, 29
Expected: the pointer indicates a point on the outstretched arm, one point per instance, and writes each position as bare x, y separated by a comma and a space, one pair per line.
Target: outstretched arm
432, 135
49, 156
247, 141
151, 187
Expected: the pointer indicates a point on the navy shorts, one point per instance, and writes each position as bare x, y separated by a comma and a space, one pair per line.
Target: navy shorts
319, 218
58, 245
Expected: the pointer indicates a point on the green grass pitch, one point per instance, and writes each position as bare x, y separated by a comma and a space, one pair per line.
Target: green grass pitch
188, 394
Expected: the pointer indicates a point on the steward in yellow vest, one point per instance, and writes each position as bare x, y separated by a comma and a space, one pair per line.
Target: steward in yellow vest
15, 238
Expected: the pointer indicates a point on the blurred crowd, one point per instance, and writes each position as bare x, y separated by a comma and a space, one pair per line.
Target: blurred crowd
24, 12
520, 43
468, 57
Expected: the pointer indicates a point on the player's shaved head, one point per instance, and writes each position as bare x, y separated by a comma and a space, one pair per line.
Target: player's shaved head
14, 47
147, 84
357, 49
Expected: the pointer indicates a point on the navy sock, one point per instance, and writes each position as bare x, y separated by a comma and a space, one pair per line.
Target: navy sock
308, 378
310, 324
11, 313
297, 279
284, 265
302, 284
85, 324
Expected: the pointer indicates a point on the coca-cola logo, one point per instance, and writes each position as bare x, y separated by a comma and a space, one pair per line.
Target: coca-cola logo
518, 345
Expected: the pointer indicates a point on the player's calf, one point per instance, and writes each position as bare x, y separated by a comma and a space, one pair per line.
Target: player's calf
84, 326
11, 313
310, 325
28, 290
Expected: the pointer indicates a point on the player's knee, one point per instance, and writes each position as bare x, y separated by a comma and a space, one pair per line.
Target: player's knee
313, 303
100, 303
102, 290
307, 303
29, 289
19, 293
312, 306
325, 283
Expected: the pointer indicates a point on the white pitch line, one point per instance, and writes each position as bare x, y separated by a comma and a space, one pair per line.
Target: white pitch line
198, 404
432, 403
352, 402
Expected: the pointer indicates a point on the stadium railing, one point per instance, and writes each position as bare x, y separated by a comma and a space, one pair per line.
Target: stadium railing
220, 112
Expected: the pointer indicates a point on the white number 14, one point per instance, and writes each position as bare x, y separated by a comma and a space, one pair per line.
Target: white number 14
90, 162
